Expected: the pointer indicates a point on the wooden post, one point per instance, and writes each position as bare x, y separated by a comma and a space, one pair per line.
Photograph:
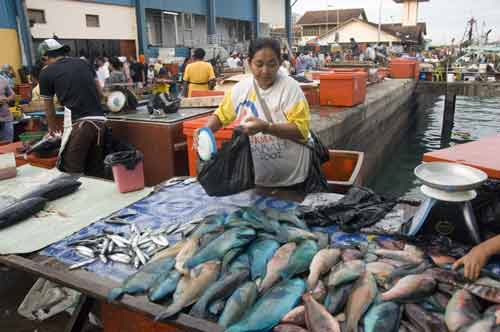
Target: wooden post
448, 118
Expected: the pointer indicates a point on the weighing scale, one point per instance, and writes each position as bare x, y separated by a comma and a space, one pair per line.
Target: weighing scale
448, 182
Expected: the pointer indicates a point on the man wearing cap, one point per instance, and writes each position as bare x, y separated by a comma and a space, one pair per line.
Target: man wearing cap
77, 88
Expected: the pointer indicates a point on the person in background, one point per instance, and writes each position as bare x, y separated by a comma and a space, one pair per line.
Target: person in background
309, 61
286, 65
116, 75
301, 65
162, 81
151, 74
126, 68
182, 67
78, 90
354, 48
478, 257
233, 61
279, 160
7, 96
370, 53
8, 73
157, 66
136, 71
199, 75
102, 71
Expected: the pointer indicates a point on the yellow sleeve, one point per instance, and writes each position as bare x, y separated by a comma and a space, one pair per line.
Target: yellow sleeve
225, 112
211, 73
186, 73
299, 115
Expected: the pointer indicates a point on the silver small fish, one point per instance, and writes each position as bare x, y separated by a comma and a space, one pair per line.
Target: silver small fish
104, 247
81, 264
160, 240
85, 251
137, 262
171, 229
111, 246
140, 255
103, 259
120, 258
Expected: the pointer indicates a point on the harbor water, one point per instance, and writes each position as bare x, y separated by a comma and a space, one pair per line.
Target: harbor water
475, 118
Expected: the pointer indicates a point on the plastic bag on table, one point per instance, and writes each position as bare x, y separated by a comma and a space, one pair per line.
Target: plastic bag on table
231, 170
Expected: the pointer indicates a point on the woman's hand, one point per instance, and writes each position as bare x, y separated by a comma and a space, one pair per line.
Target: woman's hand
473, 262
253, 125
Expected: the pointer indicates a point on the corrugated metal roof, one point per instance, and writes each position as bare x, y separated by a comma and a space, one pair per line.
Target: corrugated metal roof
320, 16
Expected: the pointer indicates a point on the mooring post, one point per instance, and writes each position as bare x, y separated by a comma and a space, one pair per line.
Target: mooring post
448, 118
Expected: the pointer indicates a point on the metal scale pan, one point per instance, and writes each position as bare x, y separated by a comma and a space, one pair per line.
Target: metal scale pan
452, 183
450, 177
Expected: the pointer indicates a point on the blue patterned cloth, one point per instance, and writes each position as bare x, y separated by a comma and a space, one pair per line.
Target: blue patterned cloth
176, 204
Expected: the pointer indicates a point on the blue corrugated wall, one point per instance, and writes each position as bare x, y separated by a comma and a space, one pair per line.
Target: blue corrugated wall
7, 14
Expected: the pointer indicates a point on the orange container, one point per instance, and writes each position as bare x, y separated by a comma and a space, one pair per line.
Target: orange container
207, 93
402, 68
343, 170
312, 95
343, 89
42, 162
189, 128
25, 91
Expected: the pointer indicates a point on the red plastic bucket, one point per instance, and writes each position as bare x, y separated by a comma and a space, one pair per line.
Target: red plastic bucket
128, 170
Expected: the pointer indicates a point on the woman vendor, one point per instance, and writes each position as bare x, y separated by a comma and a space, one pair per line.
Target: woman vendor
272, 109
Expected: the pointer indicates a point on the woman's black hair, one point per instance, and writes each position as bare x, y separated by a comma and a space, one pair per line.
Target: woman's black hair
262, 43
117, 64
285, 57
199, 53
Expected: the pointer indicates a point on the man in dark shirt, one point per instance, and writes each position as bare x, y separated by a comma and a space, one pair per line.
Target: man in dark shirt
76, 87
136, 70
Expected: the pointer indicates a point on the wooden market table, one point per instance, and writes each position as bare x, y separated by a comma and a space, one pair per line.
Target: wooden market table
482, 154
130, 314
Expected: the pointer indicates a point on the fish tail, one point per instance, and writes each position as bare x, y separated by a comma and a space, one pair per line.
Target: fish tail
169, 312
115, 294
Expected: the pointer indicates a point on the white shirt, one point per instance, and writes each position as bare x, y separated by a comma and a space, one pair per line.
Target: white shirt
102, 74
233, 62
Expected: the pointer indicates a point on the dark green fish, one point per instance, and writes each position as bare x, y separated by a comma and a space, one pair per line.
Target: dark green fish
21, 210
300, 259
271, 307
345, 272
242, 262
142, 280
221, 289
255, 216
259, 253
54, 190
288, 216
229, 258
241, 300
164, 286
426, 321
337, 297
215, 250
294, 234
382, 317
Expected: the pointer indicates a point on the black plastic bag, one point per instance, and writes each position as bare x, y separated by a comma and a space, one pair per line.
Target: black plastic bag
231, 170
129, 159
316, 181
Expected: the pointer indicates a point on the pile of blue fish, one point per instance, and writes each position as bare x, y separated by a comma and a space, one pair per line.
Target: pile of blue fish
262, 270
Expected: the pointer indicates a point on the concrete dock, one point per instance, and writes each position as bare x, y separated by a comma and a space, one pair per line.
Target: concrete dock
374, 127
